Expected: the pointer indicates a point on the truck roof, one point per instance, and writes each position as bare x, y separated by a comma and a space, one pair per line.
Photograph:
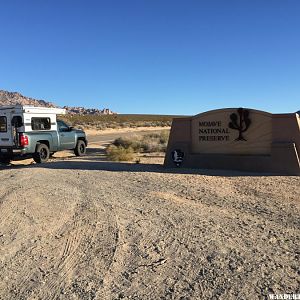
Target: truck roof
34, 109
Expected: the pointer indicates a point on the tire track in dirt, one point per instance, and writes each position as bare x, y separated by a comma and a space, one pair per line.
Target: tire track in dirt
77, 237
116, 261
68, 245
82, 239
32, 276
151, 235
68, 259
141, 248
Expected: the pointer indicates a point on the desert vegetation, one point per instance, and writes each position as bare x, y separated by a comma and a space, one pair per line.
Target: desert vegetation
120, 153
102, 122
127, 149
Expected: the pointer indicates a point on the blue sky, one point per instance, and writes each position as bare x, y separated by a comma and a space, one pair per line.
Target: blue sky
154, 56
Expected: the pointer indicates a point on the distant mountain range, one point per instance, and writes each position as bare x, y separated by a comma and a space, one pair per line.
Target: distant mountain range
11, 98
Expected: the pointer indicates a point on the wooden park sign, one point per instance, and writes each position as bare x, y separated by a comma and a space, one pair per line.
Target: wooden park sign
236, 139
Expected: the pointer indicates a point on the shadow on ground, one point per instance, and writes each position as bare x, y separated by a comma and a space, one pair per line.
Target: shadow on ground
96, 160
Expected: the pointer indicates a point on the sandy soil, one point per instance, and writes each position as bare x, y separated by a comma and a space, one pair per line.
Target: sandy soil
91, 229
123, 130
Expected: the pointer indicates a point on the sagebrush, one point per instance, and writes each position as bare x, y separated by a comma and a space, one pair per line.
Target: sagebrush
152, 142
119, 153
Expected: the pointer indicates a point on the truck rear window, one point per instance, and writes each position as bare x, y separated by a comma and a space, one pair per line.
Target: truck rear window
40, 123
3, 124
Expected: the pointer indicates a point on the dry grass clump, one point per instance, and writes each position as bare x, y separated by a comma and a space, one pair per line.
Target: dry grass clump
125, 149
152, 142
119, 153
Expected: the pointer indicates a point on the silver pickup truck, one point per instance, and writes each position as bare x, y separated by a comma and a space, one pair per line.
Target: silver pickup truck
27, 131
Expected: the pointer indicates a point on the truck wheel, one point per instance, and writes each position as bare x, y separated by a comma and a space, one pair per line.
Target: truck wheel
5, 160
80, 148
41, 154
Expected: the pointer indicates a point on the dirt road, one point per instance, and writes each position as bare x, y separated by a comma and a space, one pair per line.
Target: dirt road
91, 229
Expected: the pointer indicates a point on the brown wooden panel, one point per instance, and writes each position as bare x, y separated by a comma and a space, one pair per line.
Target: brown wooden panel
211, 133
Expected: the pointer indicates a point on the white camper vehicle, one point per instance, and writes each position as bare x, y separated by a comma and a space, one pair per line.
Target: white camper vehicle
35, 131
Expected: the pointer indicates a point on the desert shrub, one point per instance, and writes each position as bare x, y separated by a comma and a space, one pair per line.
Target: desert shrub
152, 135
133, 143
152, 142
164, 137
156, 142
119, 153
121, 142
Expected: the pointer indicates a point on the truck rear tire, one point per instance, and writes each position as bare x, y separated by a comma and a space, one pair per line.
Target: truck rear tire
5, 160
41, 154
80, 148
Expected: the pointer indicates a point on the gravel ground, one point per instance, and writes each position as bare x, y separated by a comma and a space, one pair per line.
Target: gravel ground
91, 229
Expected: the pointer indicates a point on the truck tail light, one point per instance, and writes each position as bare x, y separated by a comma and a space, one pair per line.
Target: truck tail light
23, 140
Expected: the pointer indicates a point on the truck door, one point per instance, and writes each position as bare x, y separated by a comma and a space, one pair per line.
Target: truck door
16, 127
66, 136
6, 134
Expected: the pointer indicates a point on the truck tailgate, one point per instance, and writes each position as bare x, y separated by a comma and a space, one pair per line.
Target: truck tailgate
6, 135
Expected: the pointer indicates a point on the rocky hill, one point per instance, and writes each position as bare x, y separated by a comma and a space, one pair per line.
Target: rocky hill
11, 98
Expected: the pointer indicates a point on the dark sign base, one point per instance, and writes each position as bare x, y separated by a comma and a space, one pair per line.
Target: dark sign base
284, 160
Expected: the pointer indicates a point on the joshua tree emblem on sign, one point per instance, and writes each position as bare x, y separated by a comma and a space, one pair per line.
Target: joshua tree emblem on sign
240, 122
